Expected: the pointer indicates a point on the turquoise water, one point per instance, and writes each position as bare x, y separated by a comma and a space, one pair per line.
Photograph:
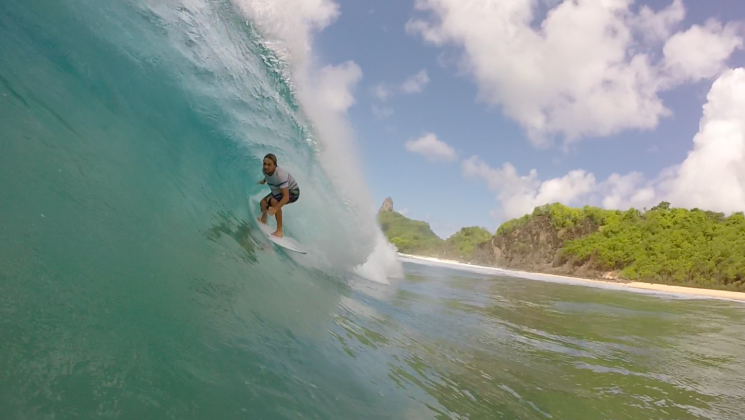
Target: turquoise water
134, 283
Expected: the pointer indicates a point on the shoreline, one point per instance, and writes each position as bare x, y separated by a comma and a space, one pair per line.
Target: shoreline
626, 285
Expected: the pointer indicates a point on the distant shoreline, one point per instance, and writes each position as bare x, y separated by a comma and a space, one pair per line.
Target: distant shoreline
679, 290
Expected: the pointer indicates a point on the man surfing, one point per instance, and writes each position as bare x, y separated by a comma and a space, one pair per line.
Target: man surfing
284, 190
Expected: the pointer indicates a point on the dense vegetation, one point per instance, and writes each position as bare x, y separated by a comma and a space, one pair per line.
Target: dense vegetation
462, 244
561, 217
416, 237
663, 244
409, 236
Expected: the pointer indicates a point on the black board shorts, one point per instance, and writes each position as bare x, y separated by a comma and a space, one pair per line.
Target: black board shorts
294, 195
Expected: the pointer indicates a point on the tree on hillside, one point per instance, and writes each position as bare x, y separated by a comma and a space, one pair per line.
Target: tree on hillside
409, 236
464, 242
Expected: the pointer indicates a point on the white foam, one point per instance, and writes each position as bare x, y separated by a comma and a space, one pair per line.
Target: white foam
382, 264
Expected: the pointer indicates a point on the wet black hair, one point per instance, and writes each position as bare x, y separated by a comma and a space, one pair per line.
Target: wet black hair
272, 157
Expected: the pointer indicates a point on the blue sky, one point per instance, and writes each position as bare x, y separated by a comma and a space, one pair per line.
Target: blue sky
374, 35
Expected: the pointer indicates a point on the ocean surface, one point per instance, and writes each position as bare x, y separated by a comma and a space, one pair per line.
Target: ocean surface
135, 284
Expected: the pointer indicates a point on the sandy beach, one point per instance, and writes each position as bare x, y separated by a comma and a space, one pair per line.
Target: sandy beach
651, 287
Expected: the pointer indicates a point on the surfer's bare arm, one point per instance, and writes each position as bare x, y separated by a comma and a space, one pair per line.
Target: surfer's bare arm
262, 182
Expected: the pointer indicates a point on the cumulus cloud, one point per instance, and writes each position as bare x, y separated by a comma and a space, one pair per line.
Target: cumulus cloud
590, 68
712, 177
621, 192
381, 91
521, 194
713, 174
382, 112
432, 148
413, 84
702, 51
416, 83
335, 85
657, 26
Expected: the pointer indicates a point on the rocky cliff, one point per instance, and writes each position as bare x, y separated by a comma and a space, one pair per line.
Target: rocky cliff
537, 245
386, 206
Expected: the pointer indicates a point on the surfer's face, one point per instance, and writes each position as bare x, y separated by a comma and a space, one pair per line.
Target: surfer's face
269, 166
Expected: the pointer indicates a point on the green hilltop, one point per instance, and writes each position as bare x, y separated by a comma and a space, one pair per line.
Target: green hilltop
462, 245
409, 236
416, 237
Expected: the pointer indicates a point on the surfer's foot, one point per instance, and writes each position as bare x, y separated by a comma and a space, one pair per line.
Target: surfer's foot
262, 219
278, 233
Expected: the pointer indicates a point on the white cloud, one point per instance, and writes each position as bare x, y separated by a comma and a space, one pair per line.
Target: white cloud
415, 83
521, 194
658, 26
621, 192
701, 51
334, 86
381, 91
432, 148
712, 177
587, 70
382, 112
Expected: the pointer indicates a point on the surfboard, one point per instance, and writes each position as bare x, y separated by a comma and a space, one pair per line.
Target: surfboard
284, 242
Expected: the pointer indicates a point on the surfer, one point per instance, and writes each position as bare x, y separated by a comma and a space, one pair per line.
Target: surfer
284, 190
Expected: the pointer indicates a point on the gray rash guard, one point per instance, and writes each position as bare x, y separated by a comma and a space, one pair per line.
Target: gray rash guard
280, 179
